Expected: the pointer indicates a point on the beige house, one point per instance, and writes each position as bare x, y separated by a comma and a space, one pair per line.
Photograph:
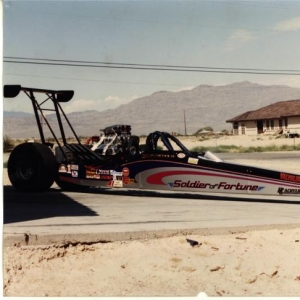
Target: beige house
276, 118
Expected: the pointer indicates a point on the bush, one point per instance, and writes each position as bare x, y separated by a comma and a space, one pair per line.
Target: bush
217, 149
253, 149
207, 128
225, 131
239, 149
8, 144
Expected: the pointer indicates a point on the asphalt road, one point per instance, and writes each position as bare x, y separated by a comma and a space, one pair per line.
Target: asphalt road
107, 215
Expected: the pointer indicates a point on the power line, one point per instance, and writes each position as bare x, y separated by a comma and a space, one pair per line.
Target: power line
145, 67
135, 82
106, 81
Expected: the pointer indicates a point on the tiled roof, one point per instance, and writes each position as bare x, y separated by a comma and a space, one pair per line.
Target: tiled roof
276, 110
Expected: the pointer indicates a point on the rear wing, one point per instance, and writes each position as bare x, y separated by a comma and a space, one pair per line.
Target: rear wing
11, 91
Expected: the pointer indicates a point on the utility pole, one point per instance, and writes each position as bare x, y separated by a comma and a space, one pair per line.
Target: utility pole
184, 122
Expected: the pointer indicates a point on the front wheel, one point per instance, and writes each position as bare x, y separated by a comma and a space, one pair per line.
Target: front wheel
31, 167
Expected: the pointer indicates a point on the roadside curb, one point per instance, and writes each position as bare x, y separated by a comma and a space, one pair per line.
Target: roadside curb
64, 240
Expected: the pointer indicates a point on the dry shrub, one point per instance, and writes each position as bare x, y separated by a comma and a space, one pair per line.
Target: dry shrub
8, 144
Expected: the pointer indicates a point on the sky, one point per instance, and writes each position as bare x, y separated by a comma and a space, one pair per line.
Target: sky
216, 34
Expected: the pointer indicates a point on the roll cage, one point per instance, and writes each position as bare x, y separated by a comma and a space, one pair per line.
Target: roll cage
167, 139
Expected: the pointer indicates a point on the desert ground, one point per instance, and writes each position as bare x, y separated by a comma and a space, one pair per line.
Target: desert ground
262, 262
239, 141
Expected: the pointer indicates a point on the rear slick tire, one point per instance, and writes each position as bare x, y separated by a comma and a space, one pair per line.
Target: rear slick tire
32, 167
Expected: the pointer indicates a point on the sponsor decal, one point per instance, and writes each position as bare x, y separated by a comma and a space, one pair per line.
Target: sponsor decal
115, 183
62, 169
158, 177
181, 155
128, 180
99, 174
91, 168
74, 173
90, 172
103, 172
105, 177
68, 169
125, 172
217, 186
193, 161
284, 191
156, 155
117, 175
74, 167
95, 176
290, 177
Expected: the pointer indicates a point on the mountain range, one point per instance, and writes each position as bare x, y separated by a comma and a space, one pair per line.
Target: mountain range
205, 105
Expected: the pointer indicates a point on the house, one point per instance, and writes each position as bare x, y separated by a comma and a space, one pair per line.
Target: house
279, 117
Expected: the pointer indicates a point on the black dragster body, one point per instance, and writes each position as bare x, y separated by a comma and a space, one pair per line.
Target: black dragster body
116, 159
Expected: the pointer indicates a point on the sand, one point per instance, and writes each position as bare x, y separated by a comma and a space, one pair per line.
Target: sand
256, 263
252, 263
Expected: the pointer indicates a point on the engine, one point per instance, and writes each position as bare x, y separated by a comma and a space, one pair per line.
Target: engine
115, 139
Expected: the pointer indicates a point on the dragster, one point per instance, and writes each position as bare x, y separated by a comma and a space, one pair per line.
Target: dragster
116, 159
